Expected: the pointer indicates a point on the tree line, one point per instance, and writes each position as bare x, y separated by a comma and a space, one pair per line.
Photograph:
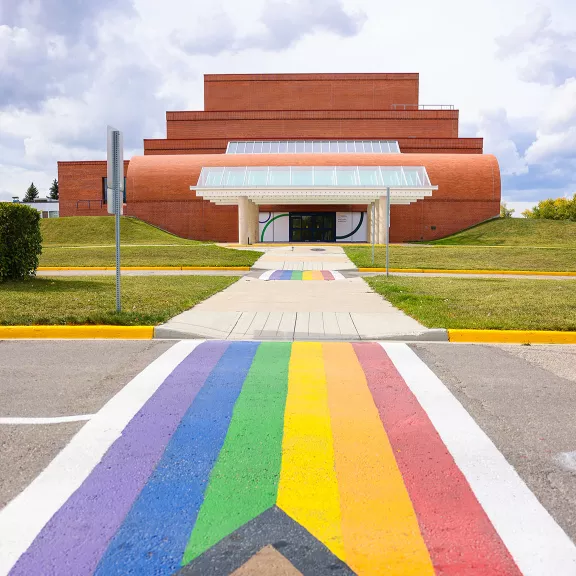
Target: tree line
33, 194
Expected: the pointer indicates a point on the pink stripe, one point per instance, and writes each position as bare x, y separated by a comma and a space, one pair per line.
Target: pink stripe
460, 538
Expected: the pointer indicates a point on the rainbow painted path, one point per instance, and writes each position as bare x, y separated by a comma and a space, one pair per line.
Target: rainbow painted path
282, 458
301, 275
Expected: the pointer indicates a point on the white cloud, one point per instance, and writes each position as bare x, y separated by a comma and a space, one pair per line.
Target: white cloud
495, 128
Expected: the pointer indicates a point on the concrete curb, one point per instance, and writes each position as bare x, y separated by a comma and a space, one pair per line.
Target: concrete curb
512, 336
443, 271
61, 268
77, 332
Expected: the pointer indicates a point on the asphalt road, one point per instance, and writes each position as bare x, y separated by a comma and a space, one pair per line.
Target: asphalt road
523, 397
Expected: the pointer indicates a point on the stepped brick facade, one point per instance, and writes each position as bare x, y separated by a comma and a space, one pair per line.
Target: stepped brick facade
298, 107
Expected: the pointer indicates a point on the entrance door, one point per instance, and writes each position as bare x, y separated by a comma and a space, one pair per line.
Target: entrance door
313, 227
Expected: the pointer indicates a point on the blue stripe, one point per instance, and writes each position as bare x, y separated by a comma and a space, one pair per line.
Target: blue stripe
286, 275
154, 534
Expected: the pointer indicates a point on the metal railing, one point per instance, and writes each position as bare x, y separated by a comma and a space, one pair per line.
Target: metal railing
87, 204
422, 106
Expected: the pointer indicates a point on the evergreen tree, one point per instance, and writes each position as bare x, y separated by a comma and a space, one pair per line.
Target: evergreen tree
54, 195
31, 194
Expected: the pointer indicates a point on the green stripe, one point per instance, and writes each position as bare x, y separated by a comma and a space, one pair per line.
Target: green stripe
268, 224
296, 275
244, 481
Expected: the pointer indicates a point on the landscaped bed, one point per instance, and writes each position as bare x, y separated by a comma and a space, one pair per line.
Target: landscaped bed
466, 257
146, 300
499, 304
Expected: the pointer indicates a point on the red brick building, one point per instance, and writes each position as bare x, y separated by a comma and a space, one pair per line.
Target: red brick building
331, 145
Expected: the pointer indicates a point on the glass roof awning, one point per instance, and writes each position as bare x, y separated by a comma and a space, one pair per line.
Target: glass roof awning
313, 147
313, 184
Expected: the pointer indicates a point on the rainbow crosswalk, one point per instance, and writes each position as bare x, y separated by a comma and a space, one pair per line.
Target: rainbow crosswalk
355, 448
301, 275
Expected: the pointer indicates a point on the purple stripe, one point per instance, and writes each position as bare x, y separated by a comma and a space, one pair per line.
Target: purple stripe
276, 275
77, 536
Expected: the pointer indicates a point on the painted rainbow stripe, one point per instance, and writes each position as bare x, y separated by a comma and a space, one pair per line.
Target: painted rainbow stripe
302, 275
322, 438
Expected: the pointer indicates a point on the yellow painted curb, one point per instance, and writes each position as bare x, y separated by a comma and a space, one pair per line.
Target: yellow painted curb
77, 332
512, 336
91, 268
444, 271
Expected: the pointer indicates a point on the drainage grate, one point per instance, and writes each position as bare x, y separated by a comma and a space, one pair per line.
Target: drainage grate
318, 249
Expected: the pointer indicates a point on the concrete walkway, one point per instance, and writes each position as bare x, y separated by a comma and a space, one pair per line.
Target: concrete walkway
258, 309
311, 257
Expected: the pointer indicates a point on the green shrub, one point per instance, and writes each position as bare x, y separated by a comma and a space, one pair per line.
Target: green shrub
20, 241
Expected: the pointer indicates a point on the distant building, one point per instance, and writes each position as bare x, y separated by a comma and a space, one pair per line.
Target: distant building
47, 207
302, 157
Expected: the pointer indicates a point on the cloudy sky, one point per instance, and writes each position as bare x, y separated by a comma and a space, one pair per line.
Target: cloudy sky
70, 67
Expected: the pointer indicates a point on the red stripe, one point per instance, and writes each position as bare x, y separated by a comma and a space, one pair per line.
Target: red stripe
460, 538
327, 275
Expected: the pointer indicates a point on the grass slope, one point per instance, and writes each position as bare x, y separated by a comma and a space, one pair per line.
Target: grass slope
146, 300
189, 255
515, 232
500, 304
466, 258
99, 230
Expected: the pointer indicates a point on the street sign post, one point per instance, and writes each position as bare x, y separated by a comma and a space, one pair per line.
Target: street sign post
115, 194
387, 230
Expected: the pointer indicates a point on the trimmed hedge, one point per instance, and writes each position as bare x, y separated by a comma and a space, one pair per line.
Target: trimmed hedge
20, 241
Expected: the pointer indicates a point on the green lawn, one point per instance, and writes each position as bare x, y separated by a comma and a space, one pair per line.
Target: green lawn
515, 232
99, 230
466, 258
191, 255
499, 304
146, 300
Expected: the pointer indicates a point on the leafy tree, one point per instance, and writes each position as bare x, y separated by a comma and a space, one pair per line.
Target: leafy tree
505, 212
54, 194
31, 194
550, 209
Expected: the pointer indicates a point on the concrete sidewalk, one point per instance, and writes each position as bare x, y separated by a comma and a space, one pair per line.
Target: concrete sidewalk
312, 257
305, 310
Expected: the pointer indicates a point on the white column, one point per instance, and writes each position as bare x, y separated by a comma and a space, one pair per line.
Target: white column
254, 222
243, 219
369, 223
382, 220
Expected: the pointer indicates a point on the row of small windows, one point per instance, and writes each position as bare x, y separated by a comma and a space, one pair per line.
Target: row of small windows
315, 147
354, 176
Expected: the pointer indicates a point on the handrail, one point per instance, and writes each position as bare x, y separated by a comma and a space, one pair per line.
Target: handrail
89, 207
422, 106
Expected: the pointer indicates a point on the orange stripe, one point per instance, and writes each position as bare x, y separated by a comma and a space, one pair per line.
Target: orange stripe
379, 526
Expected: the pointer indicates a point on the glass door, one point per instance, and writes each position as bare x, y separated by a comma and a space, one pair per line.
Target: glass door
313, 227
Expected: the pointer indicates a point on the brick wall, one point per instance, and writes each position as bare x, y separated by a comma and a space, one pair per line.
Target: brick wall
407, 145
308, 91
302, 124
80, 188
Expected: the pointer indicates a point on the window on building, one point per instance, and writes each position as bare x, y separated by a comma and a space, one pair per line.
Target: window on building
105, 185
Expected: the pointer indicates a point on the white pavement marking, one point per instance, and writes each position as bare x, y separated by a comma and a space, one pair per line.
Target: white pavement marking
538, 545
567, 460
25, 516
266, 275
53, 420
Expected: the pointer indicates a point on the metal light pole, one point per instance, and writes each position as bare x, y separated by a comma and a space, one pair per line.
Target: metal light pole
387, 230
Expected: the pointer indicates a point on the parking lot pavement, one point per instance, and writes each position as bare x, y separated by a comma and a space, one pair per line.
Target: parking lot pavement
524, 398
54, 378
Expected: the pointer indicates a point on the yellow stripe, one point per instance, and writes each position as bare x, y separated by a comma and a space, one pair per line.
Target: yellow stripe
445, 271
77, 332
379, 525
308, 491
513, 336
307, 275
